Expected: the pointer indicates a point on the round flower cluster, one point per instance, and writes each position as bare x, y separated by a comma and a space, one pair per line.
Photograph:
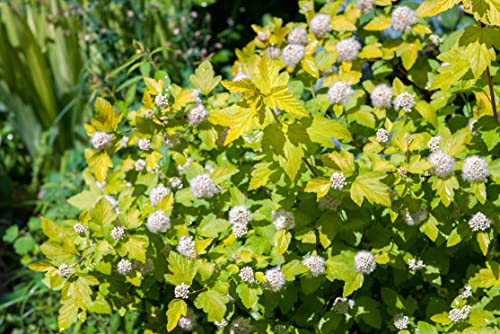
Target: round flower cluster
139, 165
240, 230
80, 228
415, 264
240, 326
196, 95
64, 270
364, 262
273, 52
343, 305
197, 114
158, 193
381, 96
413, 218
401, 321
402, 171
340, 93
433, 143
404, 101
124, 142
297, 36
144, 144
475, 169
435, 39
329, 203
348, 49
124, 266
382, 136
292, 54
203, 186
158, 222
182, 291
149, 113
239, 216
466, 292
338, 180
187, 322
457, 314
315, 264
320, 24
175, 182
364, 5
275, 278
402, 18
443, 164
221, 325
187, 247
479, 222
262, 36
118, 232
101, 140
246, 274
161, 101
283, 220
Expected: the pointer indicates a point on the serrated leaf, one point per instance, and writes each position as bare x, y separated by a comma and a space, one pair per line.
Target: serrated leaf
425, 328
430, 228
68, 315
319, 185
380, 22
454, 238
441, 318
40, 266
281, 241
213, 304
183, 270
260, 175
292, 269
434, 7
483, 241
308, 63
409, 53
352, 285
136, 246
176, 309
204, 78
155, 87
248, 296
342, 23
283, 100
343, 160
445, 189
84, 200
105, 119
52, 230
427, 112
322, 130
222, 174
99, 163
487, 277
479, 58
244, 86
369, 186
291, 160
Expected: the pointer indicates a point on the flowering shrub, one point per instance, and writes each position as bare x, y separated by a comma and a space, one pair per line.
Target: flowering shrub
343, 181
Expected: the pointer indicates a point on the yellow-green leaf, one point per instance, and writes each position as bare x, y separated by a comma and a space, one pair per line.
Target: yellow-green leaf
322, 130
105, 118
369, 186
176, 309
283, 100
319, 185
204, 78
380, 22
281, 241
479, 57
213, 304
483, 241
99, 163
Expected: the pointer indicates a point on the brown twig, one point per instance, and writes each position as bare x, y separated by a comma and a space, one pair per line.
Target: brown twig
492, 93
311, 167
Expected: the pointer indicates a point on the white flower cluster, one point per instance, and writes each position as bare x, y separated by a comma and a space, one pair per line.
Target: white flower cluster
402, 171
338, 181
443, 164
101, 140
382, 136
175, 182
186, 247
404, 101
479, 222
457, 314
240, 230
64, 270
297, 36
241, 326
124, 142
144, 144
348, 49
161, 101
401, 321
139, 164
239, 217
158, 222
187, 322
283, 220
402, 18
475, 169
329, 203
196, 95
221, 325
364, 5
343, 305
273, 52
203, 186
435, 39
246, 274
118, 232
292, 54
124, 266
275, 279
381, 96
413, 218
197, 114
182, 291
433, 143
262, 36
340, 93
466, 292
149, 113
416, 264
364, 262
320, 24
158, 193
80, 228
315, 264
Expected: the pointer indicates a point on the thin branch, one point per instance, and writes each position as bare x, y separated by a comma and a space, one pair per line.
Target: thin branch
311, 167
492, 93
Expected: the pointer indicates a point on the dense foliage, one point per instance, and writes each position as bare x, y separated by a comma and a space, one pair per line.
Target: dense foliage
346, 179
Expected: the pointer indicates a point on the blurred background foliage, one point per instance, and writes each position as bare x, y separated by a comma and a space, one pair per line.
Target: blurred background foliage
55, 57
